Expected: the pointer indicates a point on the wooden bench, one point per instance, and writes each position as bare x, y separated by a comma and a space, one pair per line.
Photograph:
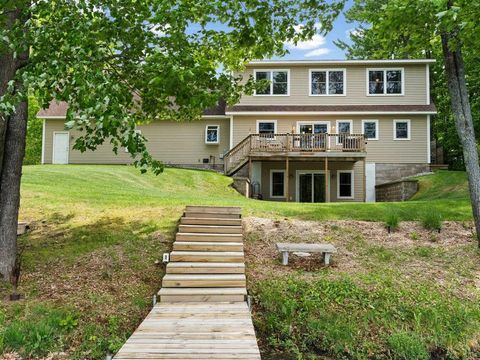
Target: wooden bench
325, 249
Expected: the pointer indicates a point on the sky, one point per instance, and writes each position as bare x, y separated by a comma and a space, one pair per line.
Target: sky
320, 47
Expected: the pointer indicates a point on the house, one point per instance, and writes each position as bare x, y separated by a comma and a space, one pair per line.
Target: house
320, 131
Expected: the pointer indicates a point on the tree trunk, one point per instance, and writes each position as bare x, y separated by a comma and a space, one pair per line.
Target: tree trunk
462, 114
13, 130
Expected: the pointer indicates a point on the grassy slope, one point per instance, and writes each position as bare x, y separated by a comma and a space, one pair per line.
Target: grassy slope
89, 262
54, 188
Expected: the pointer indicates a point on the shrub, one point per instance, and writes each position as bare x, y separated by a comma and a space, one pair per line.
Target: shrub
407, 346
432, 220
414, 235
392, 221
33, 147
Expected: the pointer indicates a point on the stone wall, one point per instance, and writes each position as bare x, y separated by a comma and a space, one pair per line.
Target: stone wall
386, 173
242, 185
400, 190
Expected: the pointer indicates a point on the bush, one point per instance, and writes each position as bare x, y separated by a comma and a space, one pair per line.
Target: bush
33, 147
392, 221
407, 346
432, 220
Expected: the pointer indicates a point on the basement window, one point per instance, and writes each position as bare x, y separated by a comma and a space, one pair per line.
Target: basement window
345, 184
212, 135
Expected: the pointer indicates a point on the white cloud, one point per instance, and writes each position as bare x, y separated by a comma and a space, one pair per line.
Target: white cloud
318, 52
354, 32
316, 41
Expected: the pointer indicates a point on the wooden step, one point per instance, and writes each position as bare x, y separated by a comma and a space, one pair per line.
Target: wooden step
214, 209
196, 214
205, 256
203, 280
209, 237
205, 268
210, 221
202, 294
210, 229
206, 246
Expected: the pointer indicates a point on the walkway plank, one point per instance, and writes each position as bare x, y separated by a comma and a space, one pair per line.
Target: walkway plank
202, 313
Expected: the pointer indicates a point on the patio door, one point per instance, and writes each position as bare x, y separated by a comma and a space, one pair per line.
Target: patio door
311, 186
312, 134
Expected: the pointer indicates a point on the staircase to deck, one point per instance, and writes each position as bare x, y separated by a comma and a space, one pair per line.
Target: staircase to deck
202, 311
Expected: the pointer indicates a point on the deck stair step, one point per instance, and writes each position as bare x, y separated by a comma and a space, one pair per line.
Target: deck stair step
215, 209
210, 229
205, 268
202, 294
209, 237
206, 214
207, 256
203, 280
207, 246
210, 221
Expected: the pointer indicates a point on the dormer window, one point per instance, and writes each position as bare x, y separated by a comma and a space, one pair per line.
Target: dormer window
278, 82
327, 82
385, 81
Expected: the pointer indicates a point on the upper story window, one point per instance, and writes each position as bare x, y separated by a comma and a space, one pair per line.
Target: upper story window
327, 82
278, 82
385, 81
344, 128
401, 129
212, 134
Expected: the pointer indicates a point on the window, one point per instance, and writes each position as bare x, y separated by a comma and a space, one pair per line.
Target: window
277, 183
370, 129
344, 128
278, 82
212, 135
327, 82
345, 184
267, 128
385, 81
401, 129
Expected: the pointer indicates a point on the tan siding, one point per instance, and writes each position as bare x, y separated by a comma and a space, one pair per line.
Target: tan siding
170, 142
356, 89
358, 168
384, 150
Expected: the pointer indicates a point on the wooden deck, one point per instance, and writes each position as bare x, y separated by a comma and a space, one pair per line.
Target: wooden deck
202, 313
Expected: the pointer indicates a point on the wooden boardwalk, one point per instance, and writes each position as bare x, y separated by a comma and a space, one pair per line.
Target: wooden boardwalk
202, 313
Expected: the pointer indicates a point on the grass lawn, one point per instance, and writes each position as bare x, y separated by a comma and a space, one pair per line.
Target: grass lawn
90, 261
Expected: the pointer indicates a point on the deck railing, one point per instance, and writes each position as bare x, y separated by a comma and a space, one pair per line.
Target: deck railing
258, 144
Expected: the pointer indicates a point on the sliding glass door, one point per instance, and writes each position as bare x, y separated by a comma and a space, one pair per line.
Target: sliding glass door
311, 186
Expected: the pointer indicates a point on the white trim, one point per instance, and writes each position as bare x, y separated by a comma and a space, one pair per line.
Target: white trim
214, 117
53, 117
231, 132
352, 189
297, 182
43, 141
53, 145
273, 113
337, 138
395, 121
284, 184
429, 142
427, 82
327, 71
385, 81
271, 81
257, 129
376, 129
341, 62
314, 122
218, 134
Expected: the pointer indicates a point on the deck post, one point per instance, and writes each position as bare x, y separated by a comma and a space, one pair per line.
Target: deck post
287, 192
327, 182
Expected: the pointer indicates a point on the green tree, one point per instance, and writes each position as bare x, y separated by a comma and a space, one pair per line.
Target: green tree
443, 29
33, 144
121, 62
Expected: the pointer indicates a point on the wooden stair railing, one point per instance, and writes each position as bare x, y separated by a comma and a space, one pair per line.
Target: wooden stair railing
238, 156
